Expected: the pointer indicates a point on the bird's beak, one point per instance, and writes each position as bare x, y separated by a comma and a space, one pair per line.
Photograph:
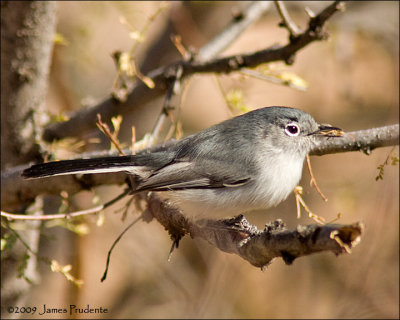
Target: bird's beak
328, 131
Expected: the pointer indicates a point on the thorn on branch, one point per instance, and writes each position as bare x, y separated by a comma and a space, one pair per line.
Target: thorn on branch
277, 225
289, 60
309, 12
236, 62
237, 14
187, 54
318, 21
287, 257
174, 245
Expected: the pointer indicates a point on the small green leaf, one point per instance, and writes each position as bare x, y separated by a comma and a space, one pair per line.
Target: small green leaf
60, 39
101, 218
235, 99
137, 36
3, 244
381, 167
23, 264
8, 241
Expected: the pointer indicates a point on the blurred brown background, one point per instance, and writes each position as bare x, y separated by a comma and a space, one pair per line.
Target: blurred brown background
353, 84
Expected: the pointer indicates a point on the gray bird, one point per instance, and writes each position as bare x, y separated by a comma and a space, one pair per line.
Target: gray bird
252, 161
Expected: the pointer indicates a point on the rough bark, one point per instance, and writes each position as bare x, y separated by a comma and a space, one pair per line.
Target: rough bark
27, 33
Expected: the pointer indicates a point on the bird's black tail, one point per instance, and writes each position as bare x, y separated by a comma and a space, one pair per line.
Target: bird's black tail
81, 166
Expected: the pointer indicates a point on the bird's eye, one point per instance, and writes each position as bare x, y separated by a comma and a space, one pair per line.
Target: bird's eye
292, 129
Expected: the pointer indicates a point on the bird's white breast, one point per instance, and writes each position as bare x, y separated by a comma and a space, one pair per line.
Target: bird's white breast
275, 181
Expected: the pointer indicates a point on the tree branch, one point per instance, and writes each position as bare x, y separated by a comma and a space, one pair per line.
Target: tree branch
363, 140
240, 22
238, 236
84, 119
27, 32
238, 25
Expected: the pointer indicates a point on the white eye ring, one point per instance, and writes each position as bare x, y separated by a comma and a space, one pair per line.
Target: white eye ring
292, 129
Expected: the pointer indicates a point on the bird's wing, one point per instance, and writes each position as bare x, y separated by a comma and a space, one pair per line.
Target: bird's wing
186, 175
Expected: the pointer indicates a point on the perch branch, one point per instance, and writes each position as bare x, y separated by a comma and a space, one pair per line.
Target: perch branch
258, 247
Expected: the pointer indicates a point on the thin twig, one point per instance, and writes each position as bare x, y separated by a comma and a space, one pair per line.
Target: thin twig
53, 264
185, 53
275, 79
381, 167
13, 216
127, 70
114, 244
237, 26
27, 247
106, 130
167, 109
287, 21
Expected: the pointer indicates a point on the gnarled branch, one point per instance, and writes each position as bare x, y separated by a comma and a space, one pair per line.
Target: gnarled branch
84, 119
258, 247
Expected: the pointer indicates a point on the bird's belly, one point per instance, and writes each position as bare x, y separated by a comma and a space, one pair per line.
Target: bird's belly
268, 189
